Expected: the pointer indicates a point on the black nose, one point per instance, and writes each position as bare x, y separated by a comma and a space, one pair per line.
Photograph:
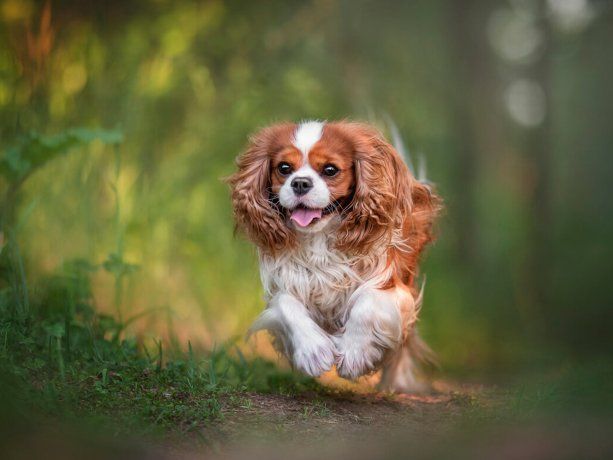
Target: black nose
301, 185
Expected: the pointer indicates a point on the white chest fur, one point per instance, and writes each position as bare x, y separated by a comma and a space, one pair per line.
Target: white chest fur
322, 278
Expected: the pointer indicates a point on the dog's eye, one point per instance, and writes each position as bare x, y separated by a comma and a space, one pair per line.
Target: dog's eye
330, 170
284, 168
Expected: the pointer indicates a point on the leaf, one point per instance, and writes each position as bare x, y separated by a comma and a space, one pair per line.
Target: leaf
55, 330
117, 266
107, 323
79, 267
33, 150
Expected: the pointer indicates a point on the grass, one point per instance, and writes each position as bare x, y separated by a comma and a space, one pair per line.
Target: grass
317, 408
64, 361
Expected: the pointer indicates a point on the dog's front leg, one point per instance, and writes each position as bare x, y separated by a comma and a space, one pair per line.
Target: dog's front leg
374, 327
308, 347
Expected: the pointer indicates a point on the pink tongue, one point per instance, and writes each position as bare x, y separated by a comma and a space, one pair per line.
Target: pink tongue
304, 217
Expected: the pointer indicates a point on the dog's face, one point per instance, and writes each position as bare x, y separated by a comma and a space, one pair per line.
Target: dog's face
312, 177
295, 178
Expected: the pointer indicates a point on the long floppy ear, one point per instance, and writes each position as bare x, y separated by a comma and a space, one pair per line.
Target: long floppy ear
425, 207
254, 212
382, 191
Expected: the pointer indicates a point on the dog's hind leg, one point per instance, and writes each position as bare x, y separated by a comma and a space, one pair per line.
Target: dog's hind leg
402, 373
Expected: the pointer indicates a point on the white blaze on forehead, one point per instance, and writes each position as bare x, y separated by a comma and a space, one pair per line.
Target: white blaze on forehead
307, 134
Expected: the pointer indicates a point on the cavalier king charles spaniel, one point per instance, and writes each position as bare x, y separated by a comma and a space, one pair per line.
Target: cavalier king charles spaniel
340, 223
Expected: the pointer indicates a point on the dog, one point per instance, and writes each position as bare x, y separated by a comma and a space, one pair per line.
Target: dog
340, 223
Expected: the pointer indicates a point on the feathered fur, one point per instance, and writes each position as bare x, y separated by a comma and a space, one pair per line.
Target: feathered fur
343, 289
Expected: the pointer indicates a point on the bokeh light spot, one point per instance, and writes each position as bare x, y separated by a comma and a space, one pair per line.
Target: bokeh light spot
525, 102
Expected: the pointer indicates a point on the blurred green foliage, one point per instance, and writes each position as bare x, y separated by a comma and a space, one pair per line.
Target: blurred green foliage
520, 272
34, 150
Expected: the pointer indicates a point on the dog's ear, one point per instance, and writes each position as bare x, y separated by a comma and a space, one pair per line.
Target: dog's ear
387, 199
254, 212
381, 194
425, 207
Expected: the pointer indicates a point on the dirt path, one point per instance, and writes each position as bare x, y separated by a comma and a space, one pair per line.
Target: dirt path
307, 422
313, 413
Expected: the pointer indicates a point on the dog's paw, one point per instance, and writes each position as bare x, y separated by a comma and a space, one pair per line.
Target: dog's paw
358, 355
314, 355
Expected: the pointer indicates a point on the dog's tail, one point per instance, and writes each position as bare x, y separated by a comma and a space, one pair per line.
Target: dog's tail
421, 172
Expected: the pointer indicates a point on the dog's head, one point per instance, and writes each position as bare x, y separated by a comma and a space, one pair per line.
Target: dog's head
298, 178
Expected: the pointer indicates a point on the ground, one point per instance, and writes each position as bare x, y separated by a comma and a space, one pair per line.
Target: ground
78, 386
318, 416
337, 420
